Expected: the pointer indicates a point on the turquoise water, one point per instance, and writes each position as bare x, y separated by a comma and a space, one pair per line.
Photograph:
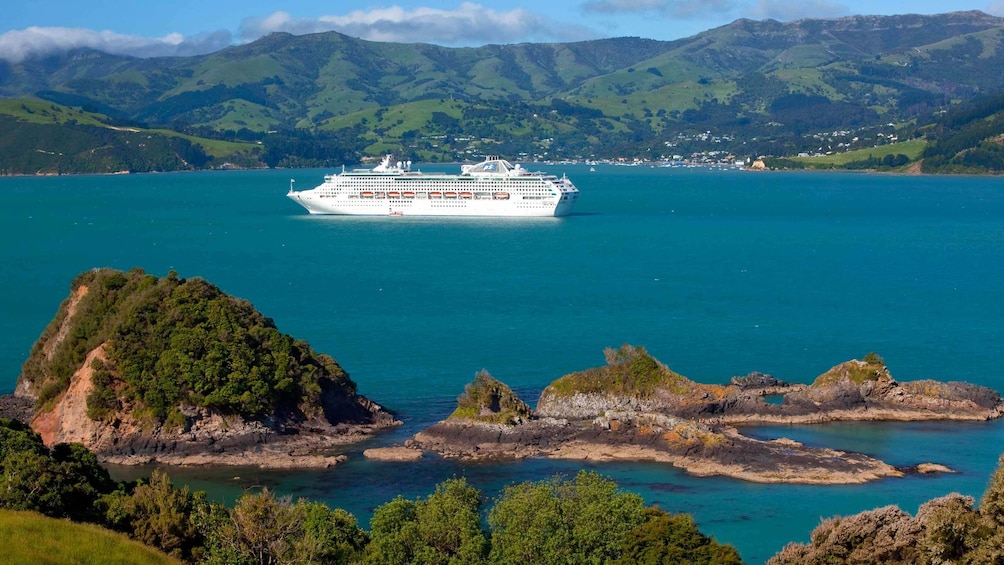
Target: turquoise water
716, 273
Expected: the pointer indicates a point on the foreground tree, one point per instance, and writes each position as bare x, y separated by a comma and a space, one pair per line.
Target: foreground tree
946, 530
265, 530
156, 513
444, 529
589, 520
62, 482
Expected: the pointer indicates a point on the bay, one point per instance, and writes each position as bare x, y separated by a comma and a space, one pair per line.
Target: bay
716, 273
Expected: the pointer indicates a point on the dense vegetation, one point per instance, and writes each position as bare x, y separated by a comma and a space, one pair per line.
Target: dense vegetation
745, 89
871, 368
490, 400
968, 139
945, 530
170, 342
557, 521
629, 370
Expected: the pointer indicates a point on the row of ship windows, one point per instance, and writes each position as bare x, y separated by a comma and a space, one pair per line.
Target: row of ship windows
436, 195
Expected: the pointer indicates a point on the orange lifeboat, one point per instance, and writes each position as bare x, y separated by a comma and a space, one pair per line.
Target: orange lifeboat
435, 195
393, 194
501, 196
466, 195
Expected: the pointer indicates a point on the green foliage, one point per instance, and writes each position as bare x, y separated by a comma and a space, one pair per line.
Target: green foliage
873, 358
871, 368
673, 538
29, 538
584, 520
64, 482
174, 341
264, 529
968, 139
945, 530
159, 515
489, 400
629, 371
768, 86
444, 528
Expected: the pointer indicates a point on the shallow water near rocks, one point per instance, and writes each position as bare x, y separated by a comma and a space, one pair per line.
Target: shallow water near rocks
716, 273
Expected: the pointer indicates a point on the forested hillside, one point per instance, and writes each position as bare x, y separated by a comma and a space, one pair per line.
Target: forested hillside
746, 89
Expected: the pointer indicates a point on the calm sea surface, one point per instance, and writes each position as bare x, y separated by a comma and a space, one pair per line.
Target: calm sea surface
717, 273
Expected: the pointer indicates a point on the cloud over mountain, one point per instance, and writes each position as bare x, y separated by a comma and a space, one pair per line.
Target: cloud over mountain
468, 24
18, 45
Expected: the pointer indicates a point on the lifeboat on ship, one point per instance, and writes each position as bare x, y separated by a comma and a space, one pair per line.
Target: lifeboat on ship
436, 195
501, 196
466, 195
367, 194
450, 195
394, 194
408, 194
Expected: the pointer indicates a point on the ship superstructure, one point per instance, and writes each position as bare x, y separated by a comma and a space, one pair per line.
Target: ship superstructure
494, 187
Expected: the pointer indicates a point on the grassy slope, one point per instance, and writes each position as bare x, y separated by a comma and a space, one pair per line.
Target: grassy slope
47, 113
30, 538
912, 149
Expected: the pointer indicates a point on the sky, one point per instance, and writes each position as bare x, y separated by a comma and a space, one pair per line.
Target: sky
147, 28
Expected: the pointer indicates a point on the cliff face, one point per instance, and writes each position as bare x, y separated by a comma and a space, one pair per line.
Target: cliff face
139, 369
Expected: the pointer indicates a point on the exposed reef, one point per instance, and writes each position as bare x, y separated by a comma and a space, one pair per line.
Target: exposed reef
140, 370
636, 408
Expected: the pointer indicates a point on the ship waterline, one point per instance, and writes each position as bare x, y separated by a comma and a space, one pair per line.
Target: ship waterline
494, 187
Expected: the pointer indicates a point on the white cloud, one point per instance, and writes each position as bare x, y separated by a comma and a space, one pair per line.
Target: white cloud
995, 8
468, 24
18, 45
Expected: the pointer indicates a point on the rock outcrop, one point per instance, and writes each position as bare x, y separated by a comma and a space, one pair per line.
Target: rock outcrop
186, 404
636, 408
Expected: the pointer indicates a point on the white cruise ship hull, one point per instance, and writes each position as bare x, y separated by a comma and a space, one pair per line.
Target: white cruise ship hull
427, 207
493, 188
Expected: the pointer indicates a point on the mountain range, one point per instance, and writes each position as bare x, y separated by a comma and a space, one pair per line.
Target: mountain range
756, 87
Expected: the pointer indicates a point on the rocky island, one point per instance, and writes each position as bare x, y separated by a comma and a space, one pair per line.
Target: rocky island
140, 369
636, 408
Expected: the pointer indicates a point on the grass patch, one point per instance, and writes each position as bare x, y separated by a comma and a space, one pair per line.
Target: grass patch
30, 538
872, 368
911, 148
37, 111
629, 371
489, 400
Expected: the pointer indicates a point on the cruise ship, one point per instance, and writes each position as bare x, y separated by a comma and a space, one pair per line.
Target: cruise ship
492, 188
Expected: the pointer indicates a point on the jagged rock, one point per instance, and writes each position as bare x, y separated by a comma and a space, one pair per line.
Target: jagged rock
16, 408
757, 379
637, 408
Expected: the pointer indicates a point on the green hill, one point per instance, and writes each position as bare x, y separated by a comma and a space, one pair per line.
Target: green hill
755, 87
30, 538
41, 137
